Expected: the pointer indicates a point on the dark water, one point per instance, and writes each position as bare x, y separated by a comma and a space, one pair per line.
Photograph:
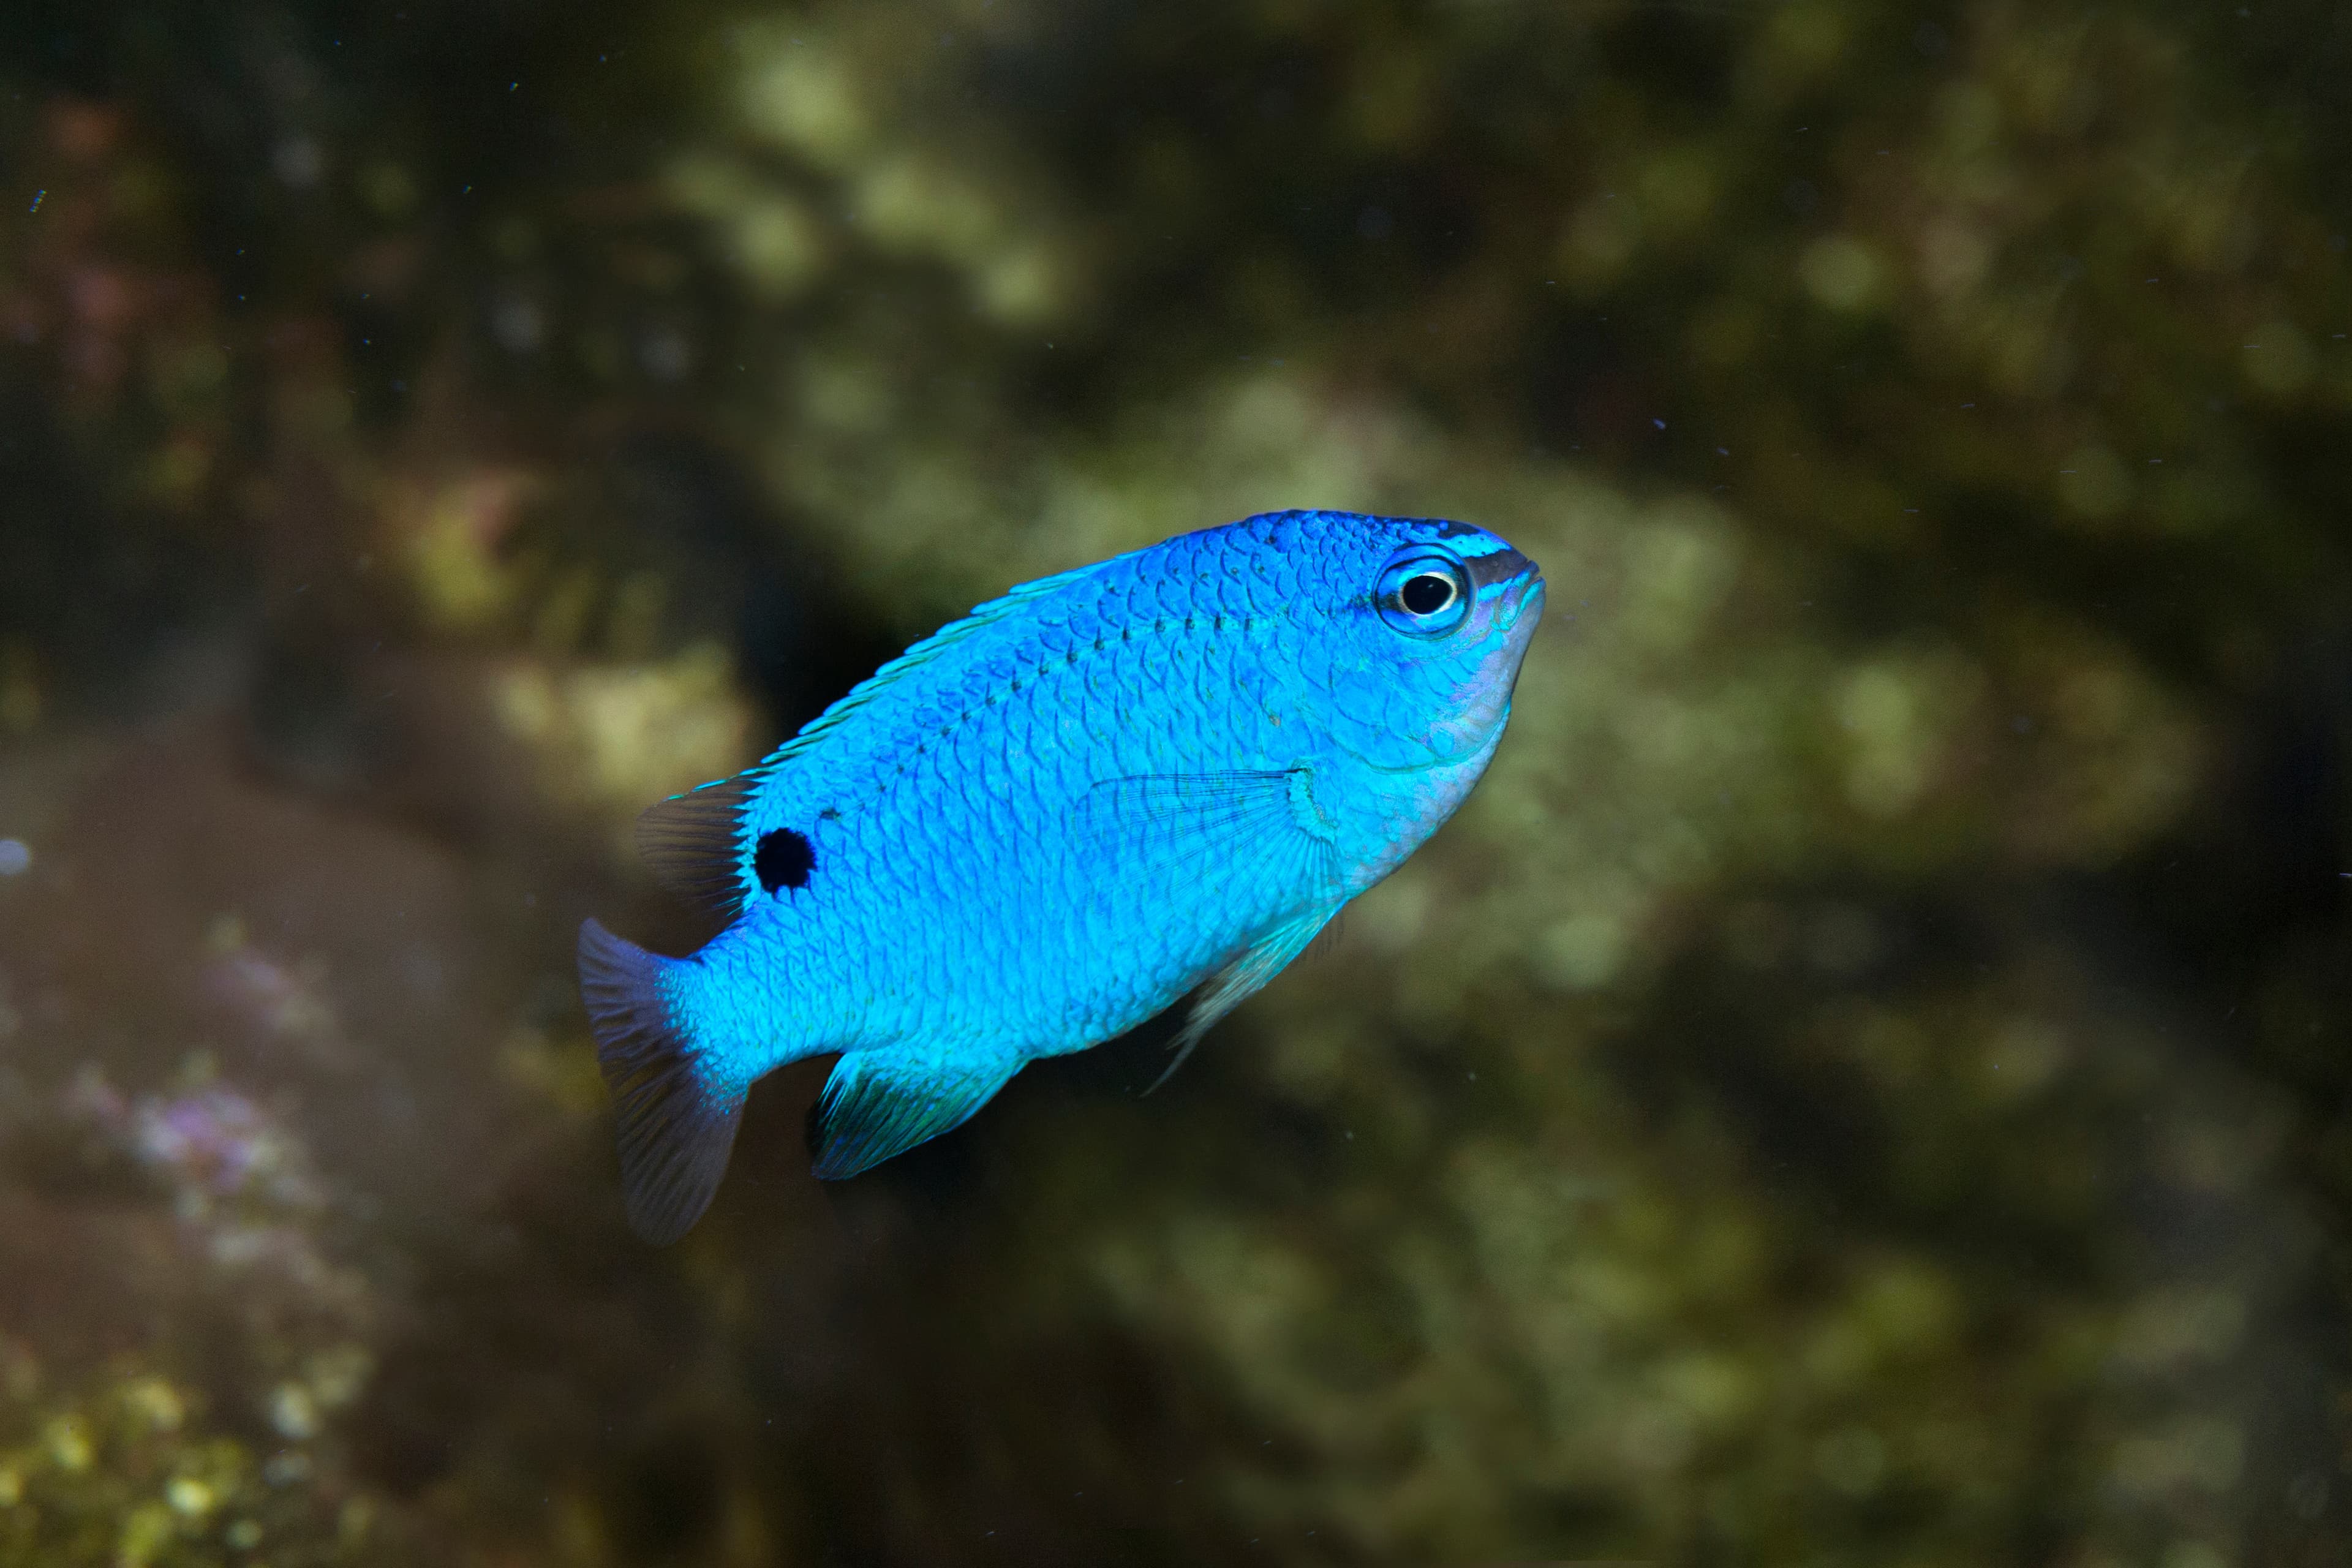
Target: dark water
1866, 1081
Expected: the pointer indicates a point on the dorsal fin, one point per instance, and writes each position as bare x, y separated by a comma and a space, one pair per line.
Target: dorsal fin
694, 844
929, 651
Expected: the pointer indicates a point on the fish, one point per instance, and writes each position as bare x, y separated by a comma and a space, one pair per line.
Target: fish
1158, 775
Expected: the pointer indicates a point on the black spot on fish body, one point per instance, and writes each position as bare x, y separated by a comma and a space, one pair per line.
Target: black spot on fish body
784, 859
828, 814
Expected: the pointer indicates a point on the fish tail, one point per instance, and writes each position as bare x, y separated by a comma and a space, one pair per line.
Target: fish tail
676, 1111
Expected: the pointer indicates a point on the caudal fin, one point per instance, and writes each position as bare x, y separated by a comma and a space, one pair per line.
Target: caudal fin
676, 1120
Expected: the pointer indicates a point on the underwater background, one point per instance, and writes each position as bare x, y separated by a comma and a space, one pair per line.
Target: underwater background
1865, 1081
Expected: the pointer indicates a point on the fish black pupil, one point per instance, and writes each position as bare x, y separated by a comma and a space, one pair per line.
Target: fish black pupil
1427, 594
784, 859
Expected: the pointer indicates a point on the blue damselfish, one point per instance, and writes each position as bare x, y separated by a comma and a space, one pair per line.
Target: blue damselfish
1050, 820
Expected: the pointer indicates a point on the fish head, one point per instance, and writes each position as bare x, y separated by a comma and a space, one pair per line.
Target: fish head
1433, 633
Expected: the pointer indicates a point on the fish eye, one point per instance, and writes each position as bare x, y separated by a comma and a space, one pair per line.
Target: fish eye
1427, 593
1422, 594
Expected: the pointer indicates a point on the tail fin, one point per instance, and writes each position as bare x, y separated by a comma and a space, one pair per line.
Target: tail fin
676, 1120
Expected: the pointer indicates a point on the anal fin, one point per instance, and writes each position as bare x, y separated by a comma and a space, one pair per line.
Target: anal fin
881, 1103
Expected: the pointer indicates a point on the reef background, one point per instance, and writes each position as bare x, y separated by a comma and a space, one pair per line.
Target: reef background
1866, 1081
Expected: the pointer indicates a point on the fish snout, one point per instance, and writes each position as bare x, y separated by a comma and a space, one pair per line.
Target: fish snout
1515, 586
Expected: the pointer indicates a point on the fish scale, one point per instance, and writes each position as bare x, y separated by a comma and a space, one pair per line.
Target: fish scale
1050, 820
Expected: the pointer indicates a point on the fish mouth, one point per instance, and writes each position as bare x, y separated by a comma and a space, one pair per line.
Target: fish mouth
1521, 612
1514, 586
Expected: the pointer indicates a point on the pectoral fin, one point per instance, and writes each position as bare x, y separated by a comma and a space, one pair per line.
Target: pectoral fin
1203, 822
880, 1103
1255, 838
1260, 832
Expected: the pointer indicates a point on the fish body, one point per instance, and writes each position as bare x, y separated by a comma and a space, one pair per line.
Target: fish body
1052, 820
